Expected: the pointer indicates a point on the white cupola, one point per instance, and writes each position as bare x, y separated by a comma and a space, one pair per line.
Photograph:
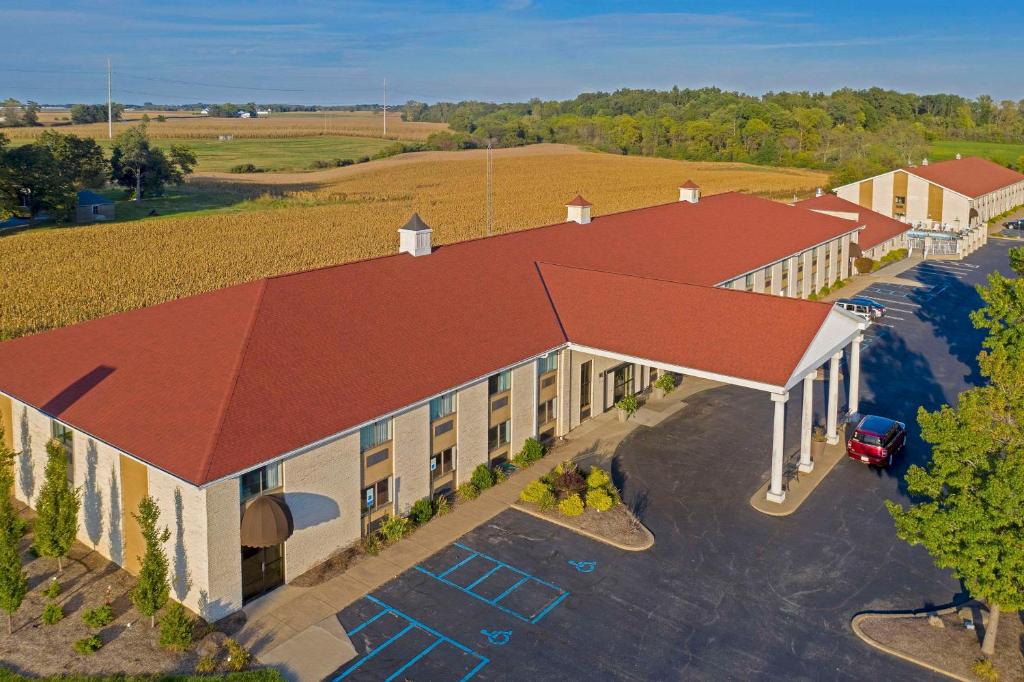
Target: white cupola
689, 192
578, 210
415, 237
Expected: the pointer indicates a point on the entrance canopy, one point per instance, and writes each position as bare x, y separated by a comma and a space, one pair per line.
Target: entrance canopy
266, 522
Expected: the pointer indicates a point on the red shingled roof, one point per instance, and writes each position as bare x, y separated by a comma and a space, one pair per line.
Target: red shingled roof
206, 386
971, 176
878, 228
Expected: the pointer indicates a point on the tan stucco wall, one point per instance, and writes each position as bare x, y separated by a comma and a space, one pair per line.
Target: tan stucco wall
322, 490
524, 405
471, 443
412, 457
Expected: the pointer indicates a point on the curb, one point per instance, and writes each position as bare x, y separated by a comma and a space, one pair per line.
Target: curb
592, 536
855, 626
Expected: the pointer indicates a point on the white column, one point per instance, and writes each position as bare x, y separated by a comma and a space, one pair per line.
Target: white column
775, 491
831, 435
806, 424
854, 379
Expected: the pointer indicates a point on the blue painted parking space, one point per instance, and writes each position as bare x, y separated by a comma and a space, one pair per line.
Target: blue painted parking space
399, 647
495, 582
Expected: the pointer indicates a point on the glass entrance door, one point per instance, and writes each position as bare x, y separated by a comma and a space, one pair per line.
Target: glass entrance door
262, 570
623, 382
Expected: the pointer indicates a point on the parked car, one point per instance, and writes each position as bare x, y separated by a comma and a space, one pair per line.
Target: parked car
1015, 224
876, 440
867, 308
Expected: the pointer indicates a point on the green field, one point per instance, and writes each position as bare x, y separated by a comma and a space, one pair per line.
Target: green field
1000, 152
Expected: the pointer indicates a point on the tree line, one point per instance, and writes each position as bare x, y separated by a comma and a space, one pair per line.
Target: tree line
852, 132
45, 175
14, 114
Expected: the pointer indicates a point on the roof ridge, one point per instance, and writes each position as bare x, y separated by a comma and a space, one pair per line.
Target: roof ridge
236, 371
551, 299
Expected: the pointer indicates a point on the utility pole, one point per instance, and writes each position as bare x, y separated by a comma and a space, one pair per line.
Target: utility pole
490, 187
385, 107
110, 106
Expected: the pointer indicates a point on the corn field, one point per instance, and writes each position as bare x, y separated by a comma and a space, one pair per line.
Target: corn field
59, 276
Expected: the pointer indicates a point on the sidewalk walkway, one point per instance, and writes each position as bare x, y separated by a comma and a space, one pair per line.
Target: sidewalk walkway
295, 629
890, 274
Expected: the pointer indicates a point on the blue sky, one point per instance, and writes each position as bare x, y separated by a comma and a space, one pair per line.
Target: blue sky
323, 51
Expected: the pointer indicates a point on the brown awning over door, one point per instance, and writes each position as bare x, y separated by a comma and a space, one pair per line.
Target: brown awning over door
266, 522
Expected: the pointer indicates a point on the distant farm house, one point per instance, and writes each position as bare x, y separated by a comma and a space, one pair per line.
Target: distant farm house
204, 112
243, 114
263, 112
91, 207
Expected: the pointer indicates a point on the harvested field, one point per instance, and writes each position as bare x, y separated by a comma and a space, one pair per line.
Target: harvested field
54, 277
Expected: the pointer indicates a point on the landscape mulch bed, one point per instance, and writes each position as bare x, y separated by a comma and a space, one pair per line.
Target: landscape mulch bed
953, 647
618, 524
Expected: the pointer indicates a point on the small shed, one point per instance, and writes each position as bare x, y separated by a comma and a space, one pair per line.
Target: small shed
92, 207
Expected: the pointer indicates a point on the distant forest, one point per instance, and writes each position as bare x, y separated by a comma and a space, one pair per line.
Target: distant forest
854, 133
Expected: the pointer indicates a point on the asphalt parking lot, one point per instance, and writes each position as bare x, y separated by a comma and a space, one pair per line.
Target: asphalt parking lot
726, 593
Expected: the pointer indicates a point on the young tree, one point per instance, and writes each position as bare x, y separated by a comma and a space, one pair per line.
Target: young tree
13, 579
57, 507
153, 589
145, 169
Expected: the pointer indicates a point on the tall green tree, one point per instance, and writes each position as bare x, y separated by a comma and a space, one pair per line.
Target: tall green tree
56, 508
969, 508
79, 159
13, 578
153, 588
146, 169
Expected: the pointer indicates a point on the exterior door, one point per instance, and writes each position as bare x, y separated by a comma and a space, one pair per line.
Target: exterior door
262, 570
623, 382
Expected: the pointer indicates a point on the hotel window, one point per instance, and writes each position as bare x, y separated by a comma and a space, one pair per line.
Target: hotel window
901, 201
260, 481
374, 434
546, 412
547, 364
498, 436
376, 495
586, 370
500, 382
442, 406
748, 283
768, 278
442, 463
785, 274
66, 437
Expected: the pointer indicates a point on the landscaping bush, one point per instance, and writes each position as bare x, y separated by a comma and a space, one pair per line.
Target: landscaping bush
53, 613
666, 382
482, 478
894, 255
984, 670
321, 163
567, 480
467, 491
571, 505
599, 499
245, 168
52, 590
864, 264
500, 474
813, 296
238, 658
176, 628
532, 451
88, 645
628, 404
538, 493
442, 506
99, 617
422, 511
394, 529
598, 478
206, 665
838, 284
824, 291
370, 544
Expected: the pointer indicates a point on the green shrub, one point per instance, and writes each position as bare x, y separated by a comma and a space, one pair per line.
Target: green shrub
52, 590
895, 255
532, 451
467, 491
176, 628
482, 478
500, 474
53, 613
824, 291
245, 168
538, 493
666, 382
813, 296
88, 645
394, 529
598, 478
238, 658
98, 617
422, 511
599, 499
571, 506
984, 670
864, 264
206, 665
442, 506
838, 284
628, 404
370, 544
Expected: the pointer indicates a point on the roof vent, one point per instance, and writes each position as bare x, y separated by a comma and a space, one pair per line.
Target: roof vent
689, 192
578, 210
924, 161
819, 192
414, 237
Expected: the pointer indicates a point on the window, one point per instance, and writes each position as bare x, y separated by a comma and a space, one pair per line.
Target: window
548, 381
498, 436
748, 282
901, 201
260, 481
586, 370
442, 463
768, 278
548, 363
623, 377
377, 457
444, 428
500, 382
95, 209
66, 437
442, 406
546, 412
374, 434
376, 495
499, 403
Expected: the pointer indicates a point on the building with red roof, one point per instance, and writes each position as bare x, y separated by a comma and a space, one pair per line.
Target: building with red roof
881, 234
954, 194
336, 397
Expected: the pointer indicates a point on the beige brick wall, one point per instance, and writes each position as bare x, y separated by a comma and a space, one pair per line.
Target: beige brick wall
98, 474
322, 489
471, 438
31, 432
412, 457
222, 593
524, 405
183, 512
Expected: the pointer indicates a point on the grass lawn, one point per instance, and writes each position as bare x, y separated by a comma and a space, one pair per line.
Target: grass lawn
1000, 152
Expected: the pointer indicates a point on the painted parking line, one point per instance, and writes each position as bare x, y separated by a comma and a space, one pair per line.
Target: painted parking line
475, 663
531, 597
893, 317
889, 300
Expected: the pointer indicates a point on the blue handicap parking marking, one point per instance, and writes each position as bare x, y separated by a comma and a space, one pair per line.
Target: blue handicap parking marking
498, 584
584, 566
401, 647
497, 637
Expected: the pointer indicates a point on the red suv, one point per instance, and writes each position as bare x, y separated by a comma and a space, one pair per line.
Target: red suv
876, 440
